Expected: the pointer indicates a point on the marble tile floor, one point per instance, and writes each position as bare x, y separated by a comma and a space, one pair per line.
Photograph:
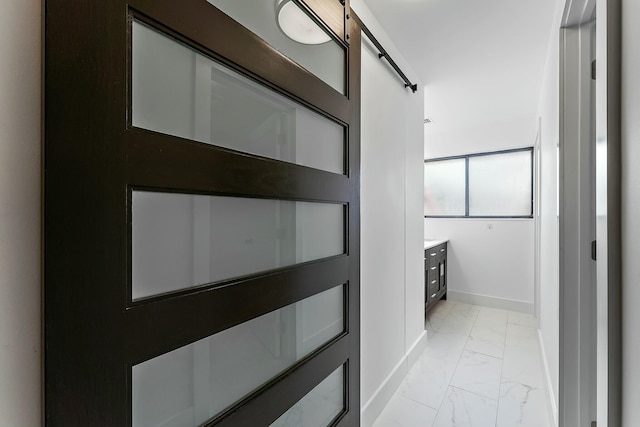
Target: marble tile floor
481, 368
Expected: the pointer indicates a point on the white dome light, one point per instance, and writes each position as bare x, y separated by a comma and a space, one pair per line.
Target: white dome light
297, 25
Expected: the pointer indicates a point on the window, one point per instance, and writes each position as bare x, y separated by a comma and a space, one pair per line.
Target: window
484, 185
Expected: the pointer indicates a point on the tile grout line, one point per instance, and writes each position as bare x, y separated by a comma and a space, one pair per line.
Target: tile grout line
454, 371
474, 393
457, 363
483, 354
504, 350
415, 401
501, 359
436, 332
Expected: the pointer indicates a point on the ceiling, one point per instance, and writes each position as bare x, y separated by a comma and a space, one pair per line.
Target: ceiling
481, 61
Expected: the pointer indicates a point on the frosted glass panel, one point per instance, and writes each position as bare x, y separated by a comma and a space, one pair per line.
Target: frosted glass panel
444, 187
179, 92
500, 184
326, 60
183, 240
319, 407
194, 383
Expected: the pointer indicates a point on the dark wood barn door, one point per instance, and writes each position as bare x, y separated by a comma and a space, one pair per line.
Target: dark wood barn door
201, 213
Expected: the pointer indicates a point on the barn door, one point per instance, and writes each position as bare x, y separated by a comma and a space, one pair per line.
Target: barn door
201, 213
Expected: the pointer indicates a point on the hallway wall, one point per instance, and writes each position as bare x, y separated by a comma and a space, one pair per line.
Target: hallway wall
490, 260
20, 337
630, 212
548, 113
392, 270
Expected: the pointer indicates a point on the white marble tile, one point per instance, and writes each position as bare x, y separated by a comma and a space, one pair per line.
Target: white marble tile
522, 405
433, 324
441, 319
522, 319
479, 374
460, 319
445, 344
457, 375
522, 360
487, 340
493, 318
403, 412
463, 409
523, 400
456, 324
428, 379
441, 309
519, 335
467, 310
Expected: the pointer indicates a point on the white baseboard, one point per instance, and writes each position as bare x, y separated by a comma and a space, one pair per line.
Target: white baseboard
488, 301
374, 406
414, 352
553, 416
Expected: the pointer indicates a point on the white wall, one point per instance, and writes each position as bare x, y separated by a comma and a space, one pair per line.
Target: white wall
489, 257
501, 248
392, 271
498, 134
630, 212
548, 112
20, 342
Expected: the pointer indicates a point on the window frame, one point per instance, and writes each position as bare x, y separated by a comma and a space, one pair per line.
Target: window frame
466, 158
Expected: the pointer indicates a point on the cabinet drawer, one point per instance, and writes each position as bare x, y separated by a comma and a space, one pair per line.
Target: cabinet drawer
431, 253
435, 252
433, 282
433, 290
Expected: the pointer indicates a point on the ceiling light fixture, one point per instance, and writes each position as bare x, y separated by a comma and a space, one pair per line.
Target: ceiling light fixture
297, 25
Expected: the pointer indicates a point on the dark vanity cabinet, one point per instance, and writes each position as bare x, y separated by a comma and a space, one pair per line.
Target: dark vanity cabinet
435, 262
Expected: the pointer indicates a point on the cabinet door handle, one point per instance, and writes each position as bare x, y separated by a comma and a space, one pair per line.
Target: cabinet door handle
434, 253
441, 250
433, 281
433, 296
433, 268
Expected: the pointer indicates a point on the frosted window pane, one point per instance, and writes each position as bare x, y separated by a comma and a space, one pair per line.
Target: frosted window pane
500, 184
444, 187
194, 383
319, 407
326, 60
183, 240
179, 92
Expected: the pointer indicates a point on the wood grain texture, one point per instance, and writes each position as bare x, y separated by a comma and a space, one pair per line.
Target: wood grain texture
331, 12
93, 159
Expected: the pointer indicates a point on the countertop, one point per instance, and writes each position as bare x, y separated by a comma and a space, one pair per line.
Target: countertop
430, 243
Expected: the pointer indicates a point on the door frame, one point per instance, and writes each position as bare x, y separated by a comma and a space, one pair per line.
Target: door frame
577, 229
590, 316
609, 212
